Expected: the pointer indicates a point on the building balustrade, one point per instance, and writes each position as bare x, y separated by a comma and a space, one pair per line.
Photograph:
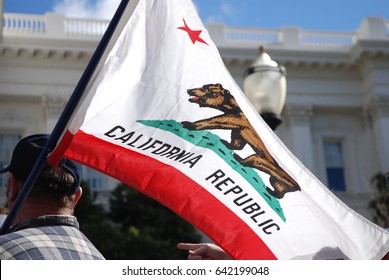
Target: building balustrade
52, 25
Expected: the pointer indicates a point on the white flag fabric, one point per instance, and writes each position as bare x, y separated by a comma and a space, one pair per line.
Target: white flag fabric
163, 115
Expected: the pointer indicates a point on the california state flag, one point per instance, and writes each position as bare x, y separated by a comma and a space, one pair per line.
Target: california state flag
162, 114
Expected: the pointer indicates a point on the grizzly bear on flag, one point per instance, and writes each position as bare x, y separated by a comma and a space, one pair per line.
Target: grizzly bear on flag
242, 133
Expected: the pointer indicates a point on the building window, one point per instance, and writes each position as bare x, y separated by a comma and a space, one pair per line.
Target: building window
95, 179
7, 145
334, 165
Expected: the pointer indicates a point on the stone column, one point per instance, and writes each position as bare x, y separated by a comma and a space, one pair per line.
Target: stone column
378, 111
53, 107
298, 120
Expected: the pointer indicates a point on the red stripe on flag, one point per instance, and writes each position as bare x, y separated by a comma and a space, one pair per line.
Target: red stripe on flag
173, 189
56, 156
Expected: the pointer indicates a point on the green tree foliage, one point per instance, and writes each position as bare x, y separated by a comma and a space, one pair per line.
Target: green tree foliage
136, 227
151, 230
94, 222
380, 201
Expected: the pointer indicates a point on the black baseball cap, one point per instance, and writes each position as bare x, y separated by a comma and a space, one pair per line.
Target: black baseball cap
26, 154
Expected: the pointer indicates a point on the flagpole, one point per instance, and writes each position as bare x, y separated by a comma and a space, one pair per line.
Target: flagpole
65, 117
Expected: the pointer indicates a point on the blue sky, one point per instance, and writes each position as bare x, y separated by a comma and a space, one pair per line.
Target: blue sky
331, 15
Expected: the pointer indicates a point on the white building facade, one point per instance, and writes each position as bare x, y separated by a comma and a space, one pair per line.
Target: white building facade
335, 120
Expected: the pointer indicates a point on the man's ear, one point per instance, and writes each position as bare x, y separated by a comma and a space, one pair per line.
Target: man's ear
77, 195
15, 186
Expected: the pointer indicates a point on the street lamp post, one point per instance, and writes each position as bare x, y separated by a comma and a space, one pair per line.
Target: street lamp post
265, 86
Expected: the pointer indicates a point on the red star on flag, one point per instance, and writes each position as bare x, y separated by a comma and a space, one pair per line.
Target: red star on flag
193, 34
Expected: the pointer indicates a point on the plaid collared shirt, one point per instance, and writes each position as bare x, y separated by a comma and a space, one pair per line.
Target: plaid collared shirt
47, 238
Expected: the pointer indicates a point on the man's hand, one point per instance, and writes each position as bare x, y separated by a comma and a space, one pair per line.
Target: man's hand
204, 251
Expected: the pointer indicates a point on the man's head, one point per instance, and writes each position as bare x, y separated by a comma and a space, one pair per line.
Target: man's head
55, 185
26, 154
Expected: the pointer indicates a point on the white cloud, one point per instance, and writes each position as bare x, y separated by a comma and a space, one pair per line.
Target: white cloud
228, 9
98, 9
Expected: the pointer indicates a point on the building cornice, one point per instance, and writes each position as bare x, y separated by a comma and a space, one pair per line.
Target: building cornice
369, 49
291, 58
30, 52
